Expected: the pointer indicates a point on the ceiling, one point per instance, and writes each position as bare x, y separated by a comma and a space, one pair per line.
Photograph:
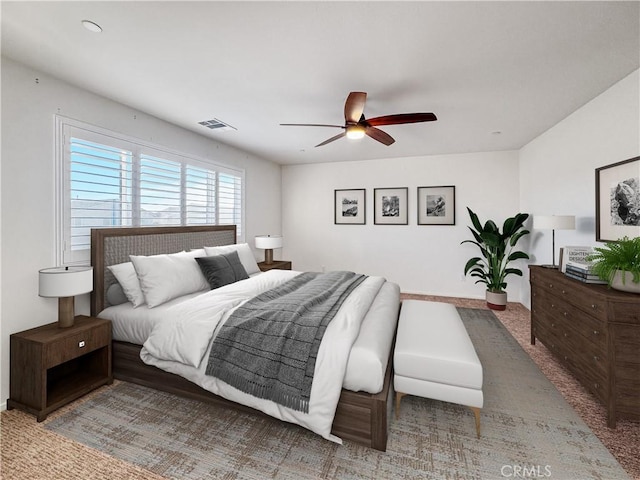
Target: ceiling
496, 74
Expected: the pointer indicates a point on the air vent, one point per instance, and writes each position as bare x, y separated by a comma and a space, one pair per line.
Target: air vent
218, 125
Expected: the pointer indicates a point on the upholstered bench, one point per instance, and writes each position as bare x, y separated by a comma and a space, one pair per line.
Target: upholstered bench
434, 357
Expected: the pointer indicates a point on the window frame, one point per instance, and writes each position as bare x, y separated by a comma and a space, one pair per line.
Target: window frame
66, 128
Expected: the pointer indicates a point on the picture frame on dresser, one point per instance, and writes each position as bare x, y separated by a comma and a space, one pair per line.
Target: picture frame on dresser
349, 206
618, 200
391, 206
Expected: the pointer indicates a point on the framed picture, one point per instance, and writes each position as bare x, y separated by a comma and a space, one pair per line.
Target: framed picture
437, 205
390, 206
350, 207
618, 200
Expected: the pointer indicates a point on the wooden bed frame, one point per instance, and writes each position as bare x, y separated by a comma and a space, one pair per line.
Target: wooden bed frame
360, 417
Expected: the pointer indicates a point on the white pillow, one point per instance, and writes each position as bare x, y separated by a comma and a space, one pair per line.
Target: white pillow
198, 252
165, 277
244, 253
126, 275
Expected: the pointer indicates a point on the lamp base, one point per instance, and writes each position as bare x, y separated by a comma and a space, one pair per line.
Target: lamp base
268, 256
66, 312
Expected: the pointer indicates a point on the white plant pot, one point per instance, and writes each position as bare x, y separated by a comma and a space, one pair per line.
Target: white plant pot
625, 285
496, 300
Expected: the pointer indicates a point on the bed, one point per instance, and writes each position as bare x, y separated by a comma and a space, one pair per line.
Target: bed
360, 416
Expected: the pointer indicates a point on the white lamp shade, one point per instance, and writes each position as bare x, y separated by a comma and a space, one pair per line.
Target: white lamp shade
554, 222
268, 241
65, 281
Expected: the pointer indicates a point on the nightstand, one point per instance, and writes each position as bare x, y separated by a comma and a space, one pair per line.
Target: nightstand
277, 264
52, 366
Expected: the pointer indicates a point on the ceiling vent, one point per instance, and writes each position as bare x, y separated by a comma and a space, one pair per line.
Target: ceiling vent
217, 125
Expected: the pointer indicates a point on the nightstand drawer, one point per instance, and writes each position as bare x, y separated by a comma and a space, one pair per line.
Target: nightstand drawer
76, 345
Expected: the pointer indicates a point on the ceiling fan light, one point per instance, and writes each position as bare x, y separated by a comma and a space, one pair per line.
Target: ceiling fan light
355, 132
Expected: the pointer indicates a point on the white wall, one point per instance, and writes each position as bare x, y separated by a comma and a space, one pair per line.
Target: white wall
27, 188
553, 174
421, 259
557, 169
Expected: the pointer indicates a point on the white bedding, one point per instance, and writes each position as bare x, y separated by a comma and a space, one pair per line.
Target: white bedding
369, 355
182, 336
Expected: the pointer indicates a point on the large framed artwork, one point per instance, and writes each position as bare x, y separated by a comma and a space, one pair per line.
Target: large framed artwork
390, 206
350, 207
437, 205
618, 200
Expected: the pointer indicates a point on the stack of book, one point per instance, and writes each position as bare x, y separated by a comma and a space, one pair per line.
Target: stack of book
582, 271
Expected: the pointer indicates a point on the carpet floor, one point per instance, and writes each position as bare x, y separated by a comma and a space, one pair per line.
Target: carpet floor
431, 437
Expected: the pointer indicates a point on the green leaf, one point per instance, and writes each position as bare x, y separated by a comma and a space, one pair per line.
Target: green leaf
496, 248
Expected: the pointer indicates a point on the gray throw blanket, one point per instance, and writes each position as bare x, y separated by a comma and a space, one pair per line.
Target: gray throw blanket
268, 346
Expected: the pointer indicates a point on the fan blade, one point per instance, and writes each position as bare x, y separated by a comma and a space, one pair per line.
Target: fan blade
309, 125
354, 106
401, 118
340, 135
379, 135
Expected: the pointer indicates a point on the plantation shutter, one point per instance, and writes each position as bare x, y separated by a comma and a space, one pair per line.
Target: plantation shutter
160, 191
229, 199
200, 195
107, 180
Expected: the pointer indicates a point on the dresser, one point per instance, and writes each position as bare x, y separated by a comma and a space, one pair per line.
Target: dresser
595, 332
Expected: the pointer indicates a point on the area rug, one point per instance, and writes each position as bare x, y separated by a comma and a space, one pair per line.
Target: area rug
528, 431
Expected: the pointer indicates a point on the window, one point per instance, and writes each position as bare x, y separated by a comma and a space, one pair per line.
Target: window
108, 180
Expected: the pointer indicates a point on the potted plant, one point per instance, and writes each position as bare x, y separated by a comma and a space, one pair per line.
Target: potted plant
497, 250
618, 263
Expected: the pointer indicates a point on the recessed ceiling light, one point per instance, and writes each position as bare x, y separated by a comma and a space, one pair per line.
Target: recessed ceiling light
497, 132
91, 26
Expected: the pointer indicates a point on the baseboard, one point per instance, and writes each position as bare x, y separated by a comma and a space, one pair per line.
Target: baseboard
448, 295
3, 406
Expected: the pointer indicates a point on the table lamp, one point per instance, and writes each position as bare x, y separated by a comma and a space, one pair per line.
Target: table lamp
268, 243
64, 283
553, 223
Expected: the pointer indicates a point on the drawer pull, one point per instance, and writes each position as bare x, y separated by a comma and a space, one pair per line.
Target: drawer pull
596, 332
565, 358
596, 385
566, 335
551, 285
564, 313
563, 291
593, 306
81, 344
596, 358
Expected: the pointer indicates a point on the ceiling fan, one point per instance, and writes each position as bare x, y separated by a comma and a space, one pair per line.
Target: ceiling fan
356, 126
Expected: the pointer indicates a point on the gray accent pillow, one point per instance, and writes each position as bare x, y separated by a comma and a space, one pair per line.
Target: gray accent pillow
115, 295
220, 270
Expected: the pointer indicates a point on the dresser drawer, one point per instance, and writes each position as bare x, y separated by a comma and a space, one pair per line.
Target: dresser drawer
626, 342
76, 345
571, 320
595, 383
576, 293
626, 312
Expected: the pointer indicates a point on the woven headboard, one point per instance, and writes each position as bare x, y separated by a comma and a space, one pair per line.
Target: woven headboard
110, 246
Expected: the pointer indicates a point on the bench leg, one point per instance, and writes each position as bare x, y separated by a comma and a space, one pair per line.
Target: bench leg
476, 412
399, 396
